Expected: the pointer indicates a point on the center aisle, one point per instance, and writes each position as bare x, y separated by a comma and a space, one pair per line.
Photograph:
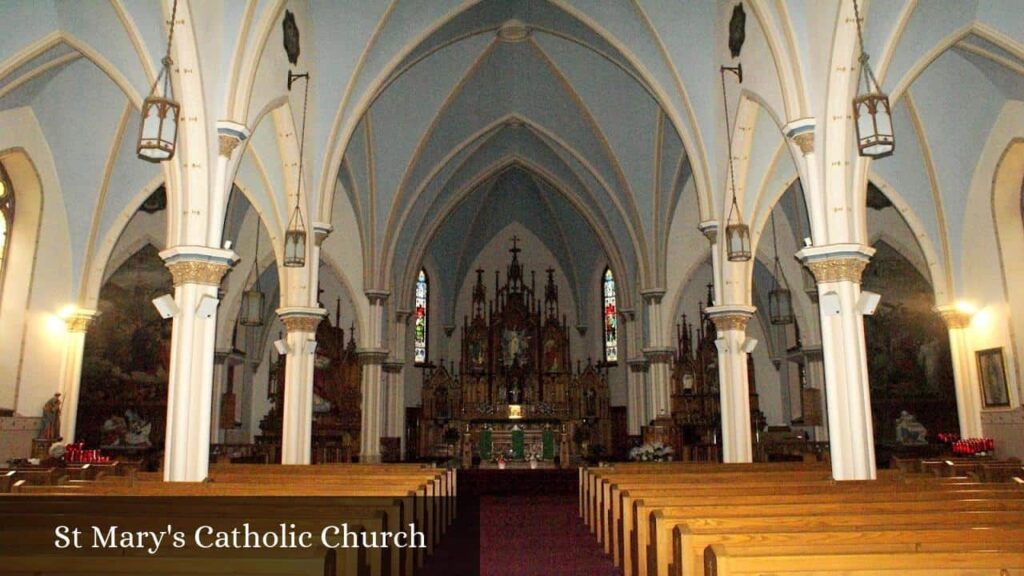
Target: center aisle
528, 524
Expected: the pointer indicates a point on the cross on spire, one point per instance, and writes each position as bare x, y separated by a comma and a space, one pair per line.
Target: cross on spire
515, 245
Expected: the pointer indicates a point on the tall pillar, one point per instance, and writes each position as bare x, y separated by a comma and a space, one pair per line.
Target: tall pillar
372, 358
636, 415
71, 370
837, 268
733, 380
196, 272
394, 421
220, 375
814, 378
659, 356
968, 391
297, 415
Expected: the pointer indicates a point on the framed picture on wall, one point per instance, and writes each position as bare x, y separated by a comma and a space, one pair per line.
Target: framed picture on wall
992, 373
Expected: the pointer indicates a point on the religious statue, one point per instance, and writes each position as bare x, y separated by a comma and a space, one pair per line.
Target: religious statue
909, 431
51, 419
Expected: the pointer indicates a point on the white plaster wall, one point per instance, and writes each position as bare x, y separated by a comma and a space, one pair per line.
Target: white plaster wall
31, 335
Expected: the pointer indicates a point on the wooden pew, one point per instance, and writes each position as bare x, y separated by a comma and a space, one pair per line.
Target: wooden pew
727, 561
660, 521
689, 544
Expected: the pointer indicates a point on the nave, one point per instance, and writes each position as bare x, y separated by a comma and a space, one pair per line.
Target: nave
936, 517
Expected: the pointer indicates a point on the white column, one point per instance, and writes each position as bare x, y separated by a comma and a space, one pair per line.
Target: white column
659, 356
71, 370
297, 414
196, 272
636, 415
373, 357
814, 374
220, 374
837, 268
968, 391
733, 380
394, 421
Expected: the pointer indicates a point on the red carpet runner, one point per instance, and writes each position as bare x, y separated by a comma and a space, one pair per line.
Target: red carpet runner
528, 524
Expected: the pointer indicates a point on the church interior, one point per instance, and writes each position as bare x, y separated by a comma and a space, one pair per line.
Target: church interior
632, 278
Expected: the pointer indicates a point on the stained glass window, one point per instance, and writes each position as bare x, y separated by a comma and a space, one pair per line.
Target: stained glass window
420, 318
6, 218
611, 320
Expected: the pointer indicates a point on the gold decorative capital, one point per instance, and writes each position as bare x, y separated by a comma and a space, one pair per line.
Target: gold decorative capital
731, 317
227, 144
954, 318
79, 320
301, 322
805, 140
840, 269
197, 272
725, 322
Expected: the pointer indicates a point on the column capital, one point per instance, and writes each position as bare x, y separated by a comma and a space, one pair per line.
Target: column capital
730, 317
78, 320
659, 354
376, 295
627, 314
638, 364
402, 315
198, 264
321, 230
801, 132
372, 356
301, 318
230, 135
393, 366
652, 295
955, 317
836, 262
709, 228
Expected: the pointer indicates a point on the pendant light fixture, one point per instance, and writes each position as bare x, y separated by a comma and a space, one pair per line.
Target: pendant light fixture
295, 236
737, 233
158, 131
253, 299
871, 111
780, 299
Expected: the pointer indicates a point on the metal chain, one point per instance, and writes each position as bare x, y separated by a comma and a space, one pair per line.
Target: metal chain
302, 143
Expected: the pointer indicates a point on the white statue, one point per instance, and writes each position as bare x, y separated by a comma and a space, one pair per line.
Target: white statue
909, 431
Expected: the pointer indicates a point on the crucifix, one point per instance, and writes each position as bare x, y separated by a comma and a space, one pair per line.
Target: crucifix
515, 245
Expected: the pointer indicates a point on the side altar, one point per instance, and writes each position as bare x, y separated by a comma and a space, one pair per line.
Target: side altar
515, 392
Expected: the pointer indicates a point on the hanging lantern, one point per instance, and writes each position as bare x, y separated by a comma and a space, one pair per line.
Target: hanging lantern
295, 241
158, 130
253, 299
295, 236
737, 241
737, 234
871, 110
158, 133
780, 306
874, 124
253, 302
780, 300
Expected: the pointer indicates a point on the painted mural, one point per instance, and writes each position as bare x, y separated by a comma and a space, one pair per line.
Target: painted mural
123, 402
909, 362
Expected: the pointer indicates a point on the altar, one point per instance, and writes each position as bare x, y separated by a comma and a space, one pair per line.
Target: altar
515, 392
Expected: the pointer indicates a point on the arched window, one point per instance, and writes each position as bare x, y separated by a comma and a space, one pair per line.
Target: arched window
609, 312
6, 220
420, 319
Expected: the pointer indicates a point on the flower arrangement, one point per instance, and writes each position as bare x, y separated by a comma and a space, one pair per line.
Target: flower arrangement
652, 452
